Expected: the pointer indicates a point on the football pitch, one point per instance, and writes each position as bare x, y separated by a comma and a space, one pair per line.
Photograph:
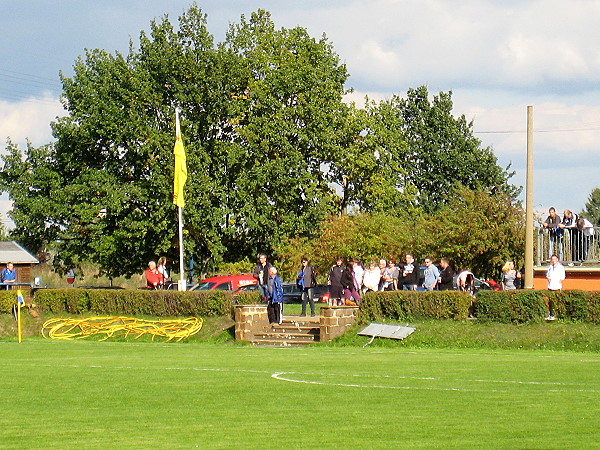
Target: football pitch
83, 394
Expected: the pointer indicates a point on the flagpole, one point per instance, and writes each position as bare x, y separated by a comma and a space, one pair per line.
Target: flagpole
20, 301
181, 285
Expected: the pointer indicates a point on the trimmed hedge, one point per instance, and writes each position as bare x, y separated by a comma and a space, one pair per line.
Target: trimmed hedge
134, 302
249, 298
519, 306
7, 300
402, 305
522, 306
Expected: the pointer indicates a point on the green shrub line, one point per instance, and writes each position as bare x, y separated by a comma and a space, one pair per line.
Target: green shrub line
524, 306
132, 302
402, 305
520, 306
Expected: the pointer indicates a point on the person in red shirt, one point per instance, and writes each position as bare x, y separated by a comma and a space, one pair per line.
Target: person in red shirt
154, 278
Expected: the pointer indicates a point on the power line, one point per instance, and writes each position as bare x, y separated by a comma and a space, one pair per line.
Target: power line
563, 130
32, 77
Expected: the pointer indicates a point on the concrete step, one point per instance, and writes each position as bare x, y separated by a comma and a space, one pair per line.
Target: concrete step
293, 330
278, 342
301, 320
290, 327
308, 337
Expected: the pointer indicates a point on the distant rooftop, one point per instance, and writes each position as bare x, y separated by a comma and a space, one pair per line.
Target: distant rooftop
10, 251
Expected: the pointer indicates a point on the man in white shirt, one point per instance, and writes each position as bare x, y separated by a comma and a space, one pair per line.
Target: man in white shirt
555, 276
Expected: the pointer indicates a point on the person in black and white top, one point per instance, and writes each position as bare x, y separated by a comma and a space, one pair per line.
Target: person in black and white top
261, 273
569, 223
410, 274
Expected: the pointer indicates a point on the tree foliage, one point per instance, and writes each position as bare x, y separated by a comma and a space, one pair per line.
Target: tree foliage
591, 210
272, 151
442, 151
260, 114
476, 230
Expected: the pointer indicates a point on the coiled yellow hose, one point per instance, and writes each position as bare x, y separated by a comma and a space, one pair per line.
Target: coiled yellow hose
69, 328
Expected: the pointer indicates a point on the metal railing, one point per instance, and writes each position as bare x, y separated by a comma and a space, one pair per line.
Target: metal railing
571, 245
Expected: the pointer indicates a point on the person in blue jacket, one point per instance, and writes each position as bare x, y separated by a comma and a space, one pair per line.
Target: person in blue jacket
275, 296
9, 275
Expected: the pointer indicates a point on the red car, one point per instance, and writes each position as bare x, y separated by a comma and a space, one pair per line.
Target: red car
226, 282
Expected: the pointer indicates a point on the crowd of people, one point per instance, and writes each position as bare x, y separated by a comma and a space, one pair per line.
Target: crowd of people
577, 230
348, 280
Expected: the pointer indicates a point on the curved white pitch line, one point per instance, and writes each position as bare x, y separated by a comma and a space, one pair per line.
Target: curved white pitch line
279, 376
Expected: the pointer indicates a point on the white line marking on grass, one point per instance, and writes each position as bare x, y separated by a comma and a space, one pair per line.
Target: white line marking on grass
297, 379
279, 376
568, 387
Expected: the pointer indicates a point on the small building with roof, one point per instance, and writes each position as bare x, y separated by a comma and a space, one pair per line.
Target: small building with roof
12, 252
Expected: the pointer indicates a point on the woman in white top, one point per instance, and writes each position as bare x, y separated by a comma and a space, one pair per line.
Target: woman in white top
371, 277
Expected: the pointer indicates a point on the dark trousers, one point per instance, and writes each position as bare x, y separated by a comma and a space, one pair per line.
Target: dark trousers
308, 296
274, 312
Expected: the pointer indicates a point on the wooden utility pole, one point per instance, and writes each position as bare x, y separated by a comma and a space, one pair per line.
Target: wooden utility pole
529, 203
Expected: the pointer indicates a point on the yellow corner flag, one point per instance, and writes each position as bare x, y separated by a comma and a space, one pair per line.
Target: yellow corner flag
180, 168
20, 302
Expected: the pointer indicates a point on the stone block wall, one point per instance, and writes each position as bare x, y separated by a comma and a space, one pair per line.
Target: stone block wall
249, 319
335, 320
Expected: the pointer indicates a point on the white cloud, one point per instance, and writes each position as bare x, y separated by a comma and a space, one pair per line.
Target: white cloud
397, 44
29, 119
26, 120
497, 56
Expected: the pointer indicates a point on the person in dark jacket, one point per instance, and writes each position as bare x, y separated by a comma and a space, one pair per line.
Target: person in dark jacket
446, 276
410, 273
306, 282
261, 273
334, 280
350, 285
275, 296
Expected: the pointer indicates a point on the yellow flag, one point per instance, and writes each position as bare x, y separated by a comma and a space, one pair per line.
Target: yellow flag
180, 172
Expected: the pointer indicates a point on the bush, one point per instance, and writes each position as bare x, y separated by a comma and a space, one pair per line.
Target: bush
517, 306
7, 300
249, 298
579, 306
522, 306
135, 302
402, 305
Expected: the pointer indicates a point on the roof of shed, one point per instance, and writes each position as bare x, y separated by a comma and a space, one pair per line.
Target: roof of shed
10, 251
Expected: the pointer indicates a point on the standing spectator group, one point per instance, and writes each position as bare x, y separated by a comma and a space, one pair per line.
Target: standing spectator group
578, 231
348, 282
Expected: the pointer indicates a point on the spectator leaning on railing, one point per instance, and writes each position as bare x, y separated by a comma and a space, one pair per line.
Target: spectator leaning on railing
555, 232
9, 274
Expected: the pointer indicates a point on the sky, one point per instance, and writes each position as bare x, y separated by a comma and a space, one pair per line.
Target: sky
496, 56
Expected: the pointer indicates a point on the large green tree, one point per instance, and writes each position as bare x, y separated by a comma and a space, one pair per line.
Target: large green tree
272, 150
442, 152
260, 113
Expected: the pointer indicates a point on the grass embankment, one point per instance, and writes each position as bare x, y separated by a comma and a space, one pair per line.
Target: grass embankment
558, 335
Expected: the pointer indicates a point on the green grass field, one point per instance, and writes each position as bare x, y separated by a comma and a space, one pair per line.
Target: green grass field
86, 394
